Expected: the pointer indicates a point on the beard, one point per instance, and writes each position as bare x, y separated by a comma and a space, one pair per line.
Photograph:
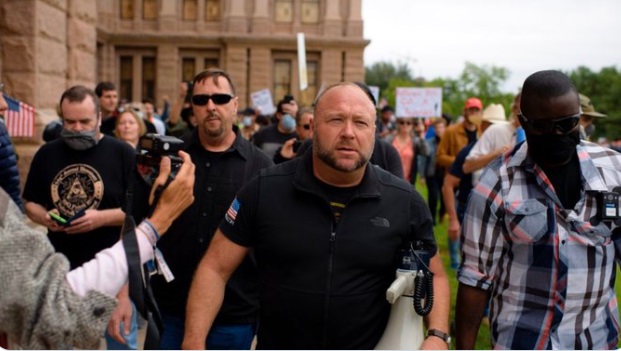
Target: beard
213, 131
328, 157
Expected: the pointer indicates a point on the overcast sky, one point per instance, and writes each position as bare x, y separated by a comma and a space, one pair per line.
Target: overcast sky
436, 37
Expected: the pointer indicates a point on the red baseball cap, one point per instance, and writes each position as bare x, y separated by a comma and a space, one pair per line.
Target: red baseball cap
473, 102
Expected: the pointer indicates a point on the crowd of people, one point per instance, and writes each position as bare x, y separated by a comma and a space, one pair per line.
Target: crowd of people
286, 229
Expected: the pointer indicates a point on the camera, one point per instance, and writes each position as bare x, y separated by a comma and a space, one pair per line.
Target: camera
608, 205
296, 145
153, 147
288, 99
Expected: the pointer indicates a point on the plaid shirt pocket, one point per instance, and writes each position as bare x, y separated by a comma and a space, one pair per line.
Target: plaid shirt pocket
527, 219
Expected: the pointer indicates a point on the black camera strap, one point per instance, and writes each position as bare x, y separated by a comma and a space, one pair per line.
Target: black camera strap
140, 287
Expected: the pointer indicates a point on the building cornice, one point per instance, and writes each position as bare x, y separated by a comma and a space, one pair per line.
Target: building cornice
196, 40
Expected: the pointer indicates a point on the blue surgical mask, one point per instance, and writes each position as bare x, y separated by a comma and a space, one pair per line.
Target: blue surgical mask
247, 121
287, 122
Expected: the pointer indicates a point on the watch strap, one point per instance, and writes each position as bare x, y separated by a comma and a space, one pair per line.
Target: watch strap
439, 334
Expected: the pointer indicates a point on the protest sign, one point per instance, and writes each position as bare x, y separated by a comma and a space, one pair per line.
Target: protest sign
418, 102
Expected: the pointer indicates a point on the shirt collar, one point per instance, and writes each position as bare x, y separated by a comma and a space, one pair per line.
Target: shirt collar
240, 145
305, 180
593, 180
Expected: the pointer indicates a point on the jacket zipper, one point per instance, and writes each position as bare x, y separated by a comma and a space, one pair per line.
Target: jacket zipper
329, 284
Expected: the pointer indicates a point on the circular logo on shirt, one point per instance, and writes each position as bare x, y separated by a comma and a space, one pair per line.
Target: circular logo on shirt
77, 187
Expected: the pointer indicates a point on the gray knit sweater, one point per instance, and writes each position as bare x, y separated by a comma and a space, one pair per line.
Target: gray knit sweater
38, 309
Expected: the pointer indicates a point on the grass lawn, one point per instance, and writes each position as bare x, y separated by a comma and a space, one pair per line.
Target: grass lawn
440, 230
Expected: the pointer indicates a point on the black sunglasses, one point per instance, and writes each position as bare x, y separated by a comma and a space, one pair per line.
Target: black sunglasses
563, 124
218, 99
306, 126
405, 122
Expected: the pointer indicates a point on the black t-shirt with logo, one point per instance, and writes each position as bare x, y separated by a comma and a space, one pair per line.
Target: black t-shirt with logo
338, 197
71, 180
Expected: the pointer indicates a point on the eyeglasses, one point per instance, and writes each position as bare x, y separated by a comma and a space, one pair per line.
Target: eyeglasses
405, 122
548, 126
306, 126
218, 99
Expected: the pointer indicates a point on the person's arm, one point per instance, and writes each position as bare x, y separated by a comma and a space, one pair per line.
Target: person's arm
207, 290
9, 175
469, 309
448, 194
443, 157
164, 114
393, 160
439, 315
107, 272
483, 243
94, 219
122, 313
177, 105
474, 164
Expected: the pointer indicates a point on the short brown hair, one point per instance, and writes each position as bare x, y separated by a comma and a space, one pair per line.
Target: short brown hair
214, 73
78, 93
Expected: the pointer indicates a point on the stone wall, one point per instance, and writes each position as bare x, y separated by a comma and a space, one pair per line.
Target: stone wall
48, 45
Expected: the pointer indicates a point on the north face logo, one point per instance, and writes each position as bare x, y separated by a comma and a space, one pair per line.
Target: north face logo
380, 222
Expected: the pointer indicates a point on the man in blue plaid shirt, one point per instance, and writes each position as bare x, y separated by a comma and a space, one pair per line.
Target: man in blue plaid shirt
535, 241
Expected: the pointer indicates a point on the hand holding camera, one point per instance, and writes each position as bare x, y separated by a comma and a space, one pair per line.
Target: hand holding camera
176, 195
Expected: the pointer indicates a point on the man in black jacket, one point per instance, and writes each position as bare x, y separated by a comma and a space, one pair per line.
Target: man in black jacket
326, 230
225, 162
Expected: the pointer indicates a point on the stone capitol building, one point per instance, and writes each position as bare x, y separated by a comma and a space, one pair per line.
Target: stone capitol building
147, 47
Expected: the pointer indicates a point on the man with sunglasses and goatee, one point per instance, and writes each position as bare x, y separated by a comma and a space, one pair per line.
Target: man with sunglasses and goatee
224, 162
540, 233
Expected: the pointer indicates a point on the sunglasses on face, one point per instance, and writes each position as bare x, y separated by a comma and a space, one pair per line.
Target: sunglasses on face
563, 124
218, 99
306, 126
405, 123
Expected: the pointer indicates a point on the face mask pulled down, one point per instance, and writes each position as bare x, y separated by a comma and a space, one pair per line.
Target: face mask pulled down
82, 140
552, 149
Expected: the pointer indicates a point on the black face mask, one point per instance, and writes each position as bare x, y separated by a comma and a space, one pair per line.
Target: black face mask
552, 149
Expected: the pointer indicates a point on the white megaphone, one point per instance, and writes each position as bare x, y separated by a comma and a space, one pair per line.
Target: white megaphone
404, 330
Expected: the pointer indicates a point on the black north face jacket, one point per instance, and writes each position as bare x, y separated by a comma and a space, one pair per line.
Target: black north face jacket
322, 286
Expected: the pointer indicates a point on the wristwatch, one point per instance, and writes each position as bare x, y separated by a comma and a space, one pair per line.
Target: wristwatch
439, 334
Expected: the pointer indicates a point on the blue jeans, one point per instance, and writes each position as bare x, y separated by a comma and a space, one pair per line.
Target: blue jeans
221, 336
131, 339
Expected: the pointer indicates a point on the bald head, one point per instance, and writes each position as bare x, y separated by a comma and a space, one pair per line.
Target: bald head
353, 88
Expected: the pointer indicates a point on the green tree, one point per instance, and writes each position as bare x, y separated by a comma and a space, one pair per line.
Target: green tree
381, 73
483, 82
604, 89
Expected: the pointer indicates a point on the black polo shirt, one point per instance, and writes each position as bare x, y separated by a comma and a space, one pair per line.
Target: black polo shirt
218, 178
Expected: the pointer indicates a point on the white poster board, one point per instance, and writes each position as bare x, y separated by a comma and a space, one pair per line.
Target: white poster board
418, 102
262, 100
375, 92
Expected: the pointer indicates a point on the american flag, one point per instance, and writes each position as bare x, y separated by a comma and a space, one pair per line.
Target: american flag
20, 118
